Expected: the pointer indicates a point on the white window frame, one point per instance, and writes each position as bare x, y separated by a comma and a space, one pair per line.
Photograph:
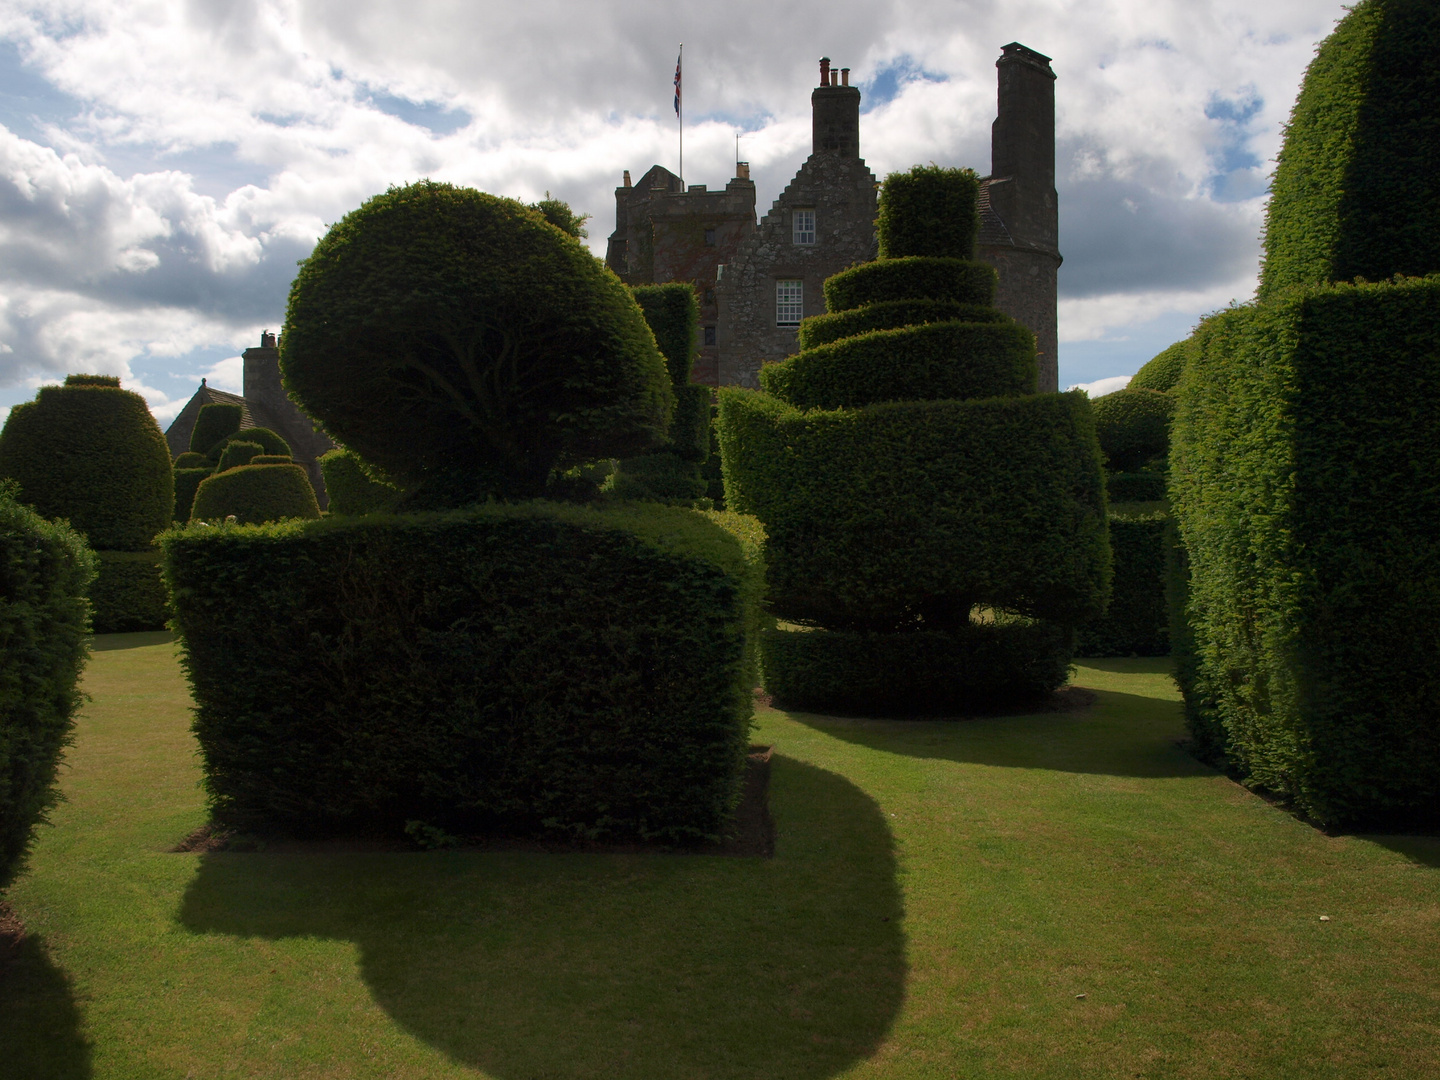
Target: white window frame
789, 301
802, 226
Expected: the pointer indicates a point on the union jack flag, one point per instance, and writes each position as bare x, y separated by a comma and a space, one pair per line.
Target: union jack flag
677, 86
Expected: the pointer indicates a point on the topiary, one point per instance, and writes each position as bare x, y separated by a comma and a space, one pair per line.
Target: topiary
214, 424
238, 452
272, 459
466, 348
267, 440
191, 460
673, 314
929, 211
1133, 427
92, 380
92, 453
255, 494
1162, 371
351, 489
186, 483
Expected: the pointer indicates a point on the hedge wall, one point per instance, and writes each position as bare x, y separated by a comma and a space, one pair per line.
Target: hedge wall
673, 315
352, 490
1137, 622
875, 513
662, 477
1356, 191
256, 494
1148, 485
45, 572
128, 594
91, 454
1303, 470
527, 669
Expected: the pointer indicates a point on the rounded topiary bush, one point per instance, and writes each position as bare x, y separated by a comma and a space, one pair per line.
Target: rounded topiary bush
191, 460
255, 494
238, 452
1162, 371
214, 424
91, 453
1133, 426
268, 442
466, 348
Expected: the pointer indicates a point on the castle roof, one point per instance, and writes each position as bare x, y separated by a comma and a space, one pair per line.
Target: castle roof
993, 232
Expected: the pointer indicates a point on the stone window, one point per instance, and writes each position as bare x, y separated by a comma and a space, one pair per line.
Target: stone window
709, 237
789, 302
803, 226
709, 335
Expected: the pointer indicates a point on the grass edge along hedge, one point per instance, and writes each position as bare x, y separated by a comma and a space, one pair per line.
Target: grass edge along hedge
533, 668
1302, 477
45, 574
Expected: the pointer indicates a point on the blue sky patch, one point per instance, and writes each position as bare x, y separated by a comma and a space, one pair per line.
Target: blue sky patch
885, 85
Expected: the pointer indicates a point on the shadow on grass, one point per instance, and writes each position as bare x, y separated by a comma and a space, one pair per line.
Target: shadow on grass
1424, 850
39, 1021
615, 965
1119, 735
137, 640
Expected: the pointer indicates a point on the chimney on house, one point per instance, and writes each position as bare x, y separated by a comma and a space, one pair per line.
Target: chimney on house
627, 178
835, 114
1022, 146
742, 170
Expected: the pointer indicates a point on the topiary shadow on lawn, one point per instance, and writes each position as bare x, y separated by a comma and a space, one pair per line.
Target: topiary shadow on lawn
40, 1028
615, 965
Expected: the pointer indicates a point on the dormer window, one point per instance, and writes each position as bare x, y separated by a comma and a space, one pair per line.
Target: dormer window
803, 226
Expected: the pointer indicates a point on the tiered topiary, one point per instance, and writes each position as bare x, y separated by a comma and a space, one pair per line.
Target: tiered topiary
91, 453
502, 663
939, 525
1133, 426
671, 474
225, 477
1305, 450
45, 572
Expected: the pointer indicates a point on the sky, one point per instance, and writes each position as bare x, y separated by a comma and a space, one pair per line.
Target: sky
164, 165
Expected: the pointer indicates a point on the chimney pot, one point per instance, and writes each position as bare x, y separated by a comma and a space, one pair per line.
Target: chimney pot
824, 71
742, 170
627, 177
844, 76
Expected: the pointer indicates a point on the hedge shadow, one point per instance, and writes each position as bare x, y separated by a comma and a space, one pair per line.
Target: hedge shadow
627, 965
40, 1024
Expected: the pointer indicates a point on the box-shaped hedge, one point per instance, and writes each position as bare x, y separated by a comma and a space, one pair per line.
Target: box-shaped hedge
1303, 477
1137, 621
531, 668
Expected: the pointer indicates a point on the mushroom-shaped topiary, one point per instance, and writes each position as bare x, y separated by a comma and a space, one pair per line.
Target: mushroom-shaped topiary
466, 348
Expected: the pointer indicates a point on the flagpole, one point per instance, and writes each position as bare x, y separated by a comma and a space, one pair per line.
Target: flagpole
680, 114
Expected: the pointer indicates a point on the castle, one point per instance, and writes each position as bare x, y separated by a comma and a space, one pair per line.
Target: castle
756, 281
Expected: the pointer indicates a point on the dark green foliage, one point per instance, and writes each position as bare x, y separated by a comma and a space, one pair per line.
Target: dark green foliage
45, 572
238, 452
534, 668
890, 315
713, 469
192, 460
672, 312
935, 360
272, 459
464, 348
910, 279
92, 380
186, 483
1202, 717
1136, 487
929, 211
1356, 191
925, 672
1162, 371
911, 513
215, 423
1133, 427
268, 441
690, 430
91, 454
1303, 472
255, 494
560, 215
128, 594
1137, 622
658, 477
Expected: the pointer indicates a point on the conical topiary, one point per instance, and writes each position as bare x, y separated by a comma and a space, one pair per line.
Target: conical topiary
937, 525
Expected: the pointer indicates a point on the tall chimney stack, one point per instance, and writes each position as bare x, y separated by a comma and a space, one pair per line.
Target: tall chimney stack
834, 114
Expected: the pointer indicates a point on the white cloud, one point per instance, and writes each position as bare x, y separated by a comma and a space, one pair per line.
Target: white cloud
1101, 387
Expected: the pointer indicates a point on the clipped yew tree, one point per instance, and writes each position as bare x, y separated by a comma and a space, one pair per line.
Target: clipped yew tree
474, 660
935, 528
91, 453
1305, 449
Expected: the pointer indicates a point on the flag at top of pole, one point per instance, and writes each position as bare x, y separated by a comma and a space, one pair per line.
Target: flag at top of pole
678, 114
677, 78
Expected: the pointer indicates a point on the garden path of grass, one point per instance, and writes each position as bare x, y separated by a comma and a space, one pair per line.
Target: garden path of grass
942, 895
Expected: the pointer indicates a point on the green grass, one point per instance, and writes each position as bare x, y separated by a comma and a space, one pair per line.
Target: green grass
941, 895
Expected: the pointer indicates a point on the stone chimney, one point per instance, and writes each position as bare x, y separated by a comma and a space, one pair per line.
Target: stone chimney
1022, 147
834, 114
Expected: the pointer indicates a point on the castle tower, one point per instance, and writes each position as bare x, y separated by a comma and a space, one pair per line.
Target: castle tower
1019, 210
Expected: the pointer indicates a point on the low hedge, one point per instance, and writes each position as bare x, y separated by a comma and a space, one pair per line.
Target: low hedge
128, 594
959, 280
929, 211
877, 515
917, 672
1133, 427
351, 489
238, 452
529, 668
1303, 470
214, 423
256, 494
45, 572
672, 312
1137, 622
187, 482
915, 363
891, 315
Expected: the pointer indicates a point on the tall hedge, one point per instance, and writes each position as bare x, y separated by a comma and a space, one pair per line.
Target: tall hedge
1162, 371
526, 668
45, 573
351, 489
1137, 622
1303, 469
91, 453
466, 348
938, 525
1356, 191
673, 314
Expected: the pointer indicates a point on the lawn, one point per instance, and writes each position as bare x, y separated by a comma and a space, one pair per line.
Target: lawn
1063, 895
